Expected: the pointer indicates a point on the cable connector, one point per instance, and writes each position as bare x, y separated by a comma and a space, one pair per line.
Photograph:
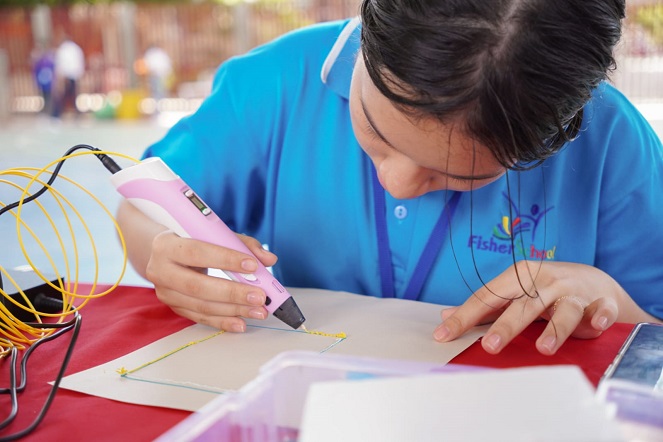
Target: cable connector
108, 162
43, 296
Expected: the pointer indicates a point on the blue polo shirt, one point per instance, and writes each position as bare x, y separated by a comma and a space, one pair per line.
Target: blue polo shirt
272, 151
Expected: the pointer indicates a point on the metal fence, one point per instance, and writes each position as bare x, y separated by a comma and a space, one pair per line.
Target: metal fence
199, 36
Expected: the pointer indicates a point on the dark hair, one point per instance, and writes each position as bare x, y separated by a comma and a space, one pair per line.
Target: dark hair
517, 72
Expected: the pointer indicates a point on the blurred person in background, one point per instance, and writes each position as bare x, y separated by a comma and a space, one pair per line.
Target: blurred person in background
69, 69
159, 69
43, 68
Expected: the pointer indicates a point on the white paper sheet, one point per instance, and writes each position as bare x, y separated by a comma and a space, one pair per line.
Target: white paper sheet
553, 404
188, 379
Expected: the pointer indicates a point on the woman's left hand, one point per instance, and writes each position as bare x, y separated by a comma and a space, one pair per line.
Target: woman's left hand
578, 300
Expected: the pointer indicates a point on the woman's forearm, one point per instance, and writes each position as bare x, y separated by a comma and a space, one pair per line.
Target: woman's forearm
139, 232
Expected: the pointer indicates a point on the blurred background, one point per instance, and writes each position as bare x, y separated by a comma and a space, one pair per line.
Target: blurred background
197, 35
145, 64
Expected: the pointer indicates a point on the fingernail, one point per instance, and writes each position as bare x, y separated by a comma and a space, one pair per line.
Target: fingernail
257, 314
249, 265
238, 328
603, 322
441, 333
493, 341
254, 298
549, 342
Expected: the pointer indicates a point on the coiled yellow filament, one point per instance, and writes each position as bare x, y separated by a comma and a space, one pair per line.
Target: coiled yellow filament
19, 334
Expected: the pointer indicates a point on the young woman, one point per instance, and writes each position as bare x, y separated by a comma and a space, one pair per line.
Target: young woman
465, 153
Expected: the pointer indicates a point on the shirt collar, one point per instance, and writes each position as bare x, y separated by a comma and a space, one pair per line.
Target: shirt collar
337, 69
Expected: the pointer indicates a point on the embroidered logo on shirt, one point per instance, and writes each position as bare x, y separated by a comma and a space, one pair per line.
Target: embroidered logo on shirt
523, 229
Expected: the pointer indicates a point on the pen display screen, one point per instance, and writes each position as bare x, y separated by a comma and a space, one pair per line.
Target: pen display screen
197, 202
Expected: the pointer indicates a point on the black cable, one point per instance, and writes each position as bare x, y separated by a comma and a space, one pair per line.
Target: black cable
64, 326
74, 325
107, 161
12, 390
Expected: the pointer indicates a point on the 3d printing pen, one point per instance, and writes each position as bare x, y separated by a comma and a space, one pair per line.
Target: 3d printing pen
159, 193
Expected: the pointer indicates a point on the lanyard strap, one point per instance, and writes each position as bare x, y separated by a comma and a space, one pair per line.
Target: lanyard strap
429, 254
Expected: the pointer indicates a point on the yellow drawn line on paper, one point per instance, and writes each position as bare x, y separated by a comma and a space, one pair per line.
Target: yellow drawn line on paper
329, 335
123, 371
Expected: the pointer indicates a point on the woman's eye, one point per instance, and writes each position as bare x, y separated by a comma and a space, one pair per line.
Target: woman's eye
459, 183
463, 181
370, 131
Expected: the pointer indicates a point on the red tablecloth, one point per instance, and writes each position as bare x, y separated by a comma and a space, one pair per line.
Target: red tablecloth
131, 317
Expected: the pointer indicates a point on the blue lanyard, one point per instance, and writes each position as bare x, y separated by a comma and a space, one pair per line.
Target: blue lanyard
429, 254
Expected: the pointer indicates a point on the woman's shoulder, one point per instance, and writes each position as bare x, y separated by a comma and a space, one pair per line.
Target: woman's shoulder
616, 145
287, 62
608, 105
309, 44
611, 122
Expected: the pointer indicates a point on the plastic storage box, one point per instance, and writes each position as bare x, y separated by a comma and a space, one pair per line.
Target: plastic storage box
269, 408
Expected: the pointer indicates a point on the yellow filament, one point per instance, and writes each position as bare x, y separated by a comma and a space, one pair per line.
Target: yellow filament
123, 371
13, 332
341, 335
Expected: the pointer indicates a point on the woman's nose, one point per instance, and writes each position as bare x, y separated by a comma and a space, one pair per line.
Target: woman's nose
402, 179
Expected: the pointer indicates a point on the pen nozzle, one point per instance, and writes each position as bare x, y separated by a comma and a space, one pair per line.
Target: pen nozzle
289, 313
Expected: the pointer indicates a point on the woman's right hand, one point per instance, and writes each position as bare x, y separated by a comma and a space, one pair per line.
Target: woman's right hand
178, 269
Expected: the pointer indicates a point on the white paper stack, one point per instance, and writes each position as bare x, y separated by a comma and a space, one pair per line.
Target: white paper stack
547, 403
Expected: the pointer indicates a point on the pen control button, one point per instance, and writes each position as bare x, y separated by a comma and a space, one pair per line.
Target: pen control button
249, 276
